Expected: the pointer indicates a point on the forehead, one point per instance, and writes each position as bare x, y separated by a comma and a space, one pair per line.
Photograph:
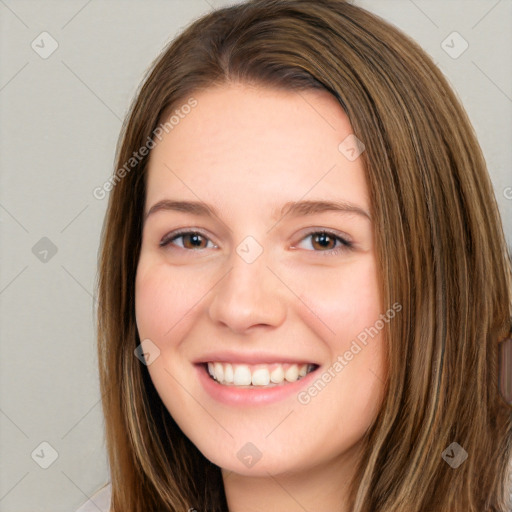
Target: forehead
258, 143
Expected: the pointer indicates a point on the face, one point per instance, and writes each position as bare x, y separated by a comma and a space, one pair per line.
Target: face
264, 291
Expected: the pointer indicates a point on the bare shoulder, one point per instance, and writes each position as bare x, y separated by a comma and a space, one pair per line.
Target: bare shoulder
99, 501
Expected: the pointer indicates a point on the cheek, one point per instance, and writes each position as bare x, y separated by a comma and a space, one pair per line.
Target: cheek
160, 300
360, 298
346, 300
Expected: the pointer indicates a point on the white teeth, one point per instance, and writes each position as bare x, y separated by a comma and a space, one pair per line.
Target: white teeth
292, 373
228, 374
257, 375
277, 375
219, 371
260, 377
242, 375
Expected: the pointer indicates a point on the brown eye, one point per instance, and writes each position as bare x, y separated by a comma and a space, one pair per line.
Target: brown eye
195, 239
326, 242
191, 240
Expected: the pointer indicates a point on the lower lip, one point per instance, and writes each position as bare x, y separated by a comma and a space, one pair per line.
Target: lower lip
232, 395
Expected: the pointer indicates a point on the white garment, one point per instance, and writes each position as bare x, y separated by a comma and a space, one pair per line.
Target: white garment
99, 502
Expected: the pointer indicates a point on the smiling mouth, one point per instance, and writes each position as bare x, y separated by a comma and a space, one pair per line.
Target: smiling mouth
259, 375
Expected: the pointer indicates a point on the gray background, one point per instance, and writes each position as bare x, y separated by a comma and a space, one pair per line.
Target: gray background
60, 119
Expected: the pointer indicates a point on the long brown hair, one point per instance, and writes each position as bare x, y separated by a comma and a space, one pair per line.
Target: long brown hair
439, 244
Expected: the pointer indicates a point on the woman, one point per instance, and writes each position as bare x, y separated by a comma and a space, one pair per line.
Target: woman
240, 368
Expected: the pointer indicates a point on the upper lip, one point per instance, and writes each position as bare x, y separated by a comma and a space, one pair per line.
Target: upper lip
250, 358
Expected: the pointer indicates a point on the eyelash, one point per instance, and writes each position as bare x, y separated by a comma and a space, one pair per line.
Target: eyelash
346, 245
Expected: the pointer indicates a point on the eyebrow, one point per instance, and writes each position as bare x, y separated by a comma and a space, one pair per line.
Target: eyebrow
293, 208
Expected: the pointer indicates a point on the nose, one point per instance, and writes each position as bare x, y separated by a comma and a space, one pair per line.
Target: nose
248, 295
